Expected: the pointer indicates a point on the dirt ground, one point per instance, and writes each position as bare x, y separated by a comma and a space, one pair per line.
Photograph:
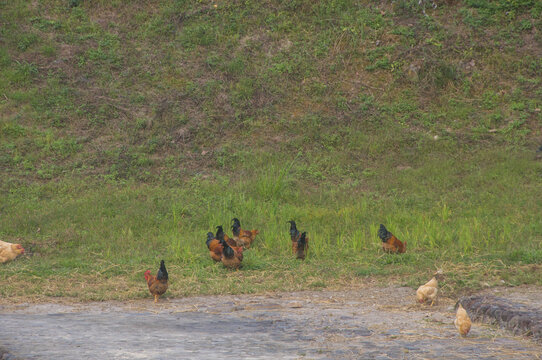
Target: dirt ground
370, 323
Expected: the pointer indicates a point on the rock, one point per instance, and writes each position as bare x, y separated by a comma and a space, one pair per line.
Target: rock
515, 317
295, 305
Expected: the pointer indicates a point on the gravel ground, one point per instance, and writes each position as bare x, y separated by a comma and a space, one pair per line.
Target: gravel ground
368, 323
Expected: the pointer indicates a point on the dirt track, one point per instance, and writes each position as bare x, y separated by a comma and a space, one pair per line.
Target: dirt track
369, 323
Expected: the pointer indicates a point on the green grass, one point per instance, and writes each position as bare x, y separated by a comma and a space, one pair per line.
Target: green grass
128, 130
112, 233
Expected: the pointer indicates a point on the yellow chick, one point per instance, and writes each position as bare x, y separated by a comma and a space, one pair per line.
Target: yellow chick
462, 321
429, 290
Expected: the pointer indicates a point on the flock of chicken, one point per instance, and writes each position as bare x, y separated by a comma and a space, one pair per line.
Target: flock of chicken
428, 292
229, 251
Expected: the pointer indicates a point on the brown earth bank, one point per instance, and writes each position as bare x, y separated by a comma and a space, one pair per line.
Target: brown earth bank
370, 322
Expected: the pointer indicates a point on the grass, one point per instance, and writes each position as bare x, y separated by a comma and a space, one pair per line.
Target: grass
129, 130
100, 237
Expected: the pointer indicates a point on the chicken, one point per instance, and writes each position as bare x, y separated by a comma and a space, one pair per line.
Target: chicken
215, 247
9, 251
390, 243
222, 237
301, 246
462, 321
243, 237
294, 235
157, 284
232, 256
429, 290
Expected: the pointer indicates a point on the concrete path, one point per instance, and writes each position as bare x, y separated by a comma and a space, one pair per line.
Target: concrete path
368, 323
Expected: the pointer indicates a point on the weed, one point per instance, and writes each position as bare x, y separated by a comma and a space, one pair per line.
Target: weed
26, 40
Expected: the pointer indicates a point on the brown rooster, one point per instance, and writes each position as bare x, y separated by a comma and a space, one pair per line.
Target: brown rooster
390, 243
215, 247
222, 237
301, 246
294, 235
244, 238
232, 256
157, 284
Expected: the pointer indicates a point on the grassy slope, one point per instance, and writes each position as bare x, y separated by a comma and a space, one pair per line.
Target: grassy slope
127, 131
